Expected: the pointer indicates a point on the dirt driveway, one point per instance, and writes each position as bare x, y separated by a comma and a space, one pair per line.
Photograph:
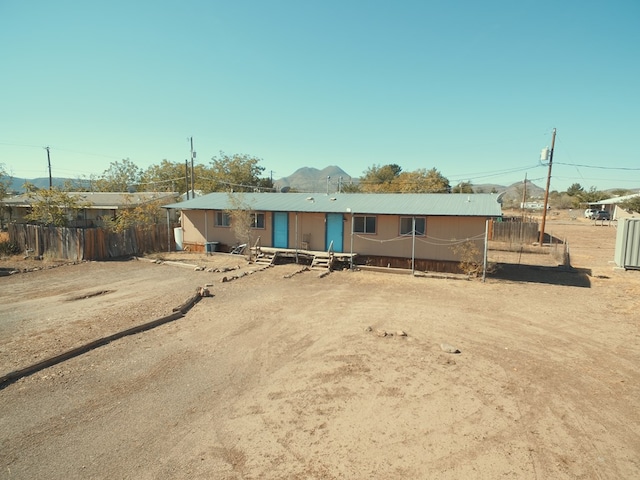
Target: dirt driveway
288, 375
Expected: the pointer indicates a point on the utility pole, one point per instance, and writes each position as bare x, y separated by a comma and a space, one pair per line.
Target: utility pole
524, 194
49, 162
546, 192
193, 155
186, 176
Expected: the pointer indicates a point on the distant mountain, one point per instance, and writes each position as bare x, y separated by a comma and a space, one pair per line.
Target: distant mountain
513, 192
17, 184
308, 179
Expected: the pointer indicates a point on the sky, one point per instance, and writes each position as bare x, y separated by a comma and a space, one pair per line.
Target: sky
473, 89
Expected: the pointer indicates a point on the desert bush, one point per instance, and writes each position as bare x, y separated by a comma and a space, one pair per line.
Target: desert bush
9, 248
471, 260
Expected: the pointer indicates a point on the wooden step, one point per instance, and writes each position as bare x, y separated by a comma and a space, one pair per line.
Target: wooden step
265, 258
322, 261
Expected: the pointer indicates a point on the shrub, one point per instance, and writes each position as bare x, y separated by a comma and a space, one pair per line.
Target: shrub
9, 248
471, 259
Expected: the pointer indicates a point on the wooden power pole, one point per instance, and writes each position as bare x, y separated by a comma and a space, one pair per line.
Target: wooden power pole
546, 191
49, 162
193, 155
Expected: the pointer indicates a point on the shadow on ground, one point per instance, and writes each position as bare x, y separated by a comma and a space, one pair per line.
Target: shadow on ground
560, 275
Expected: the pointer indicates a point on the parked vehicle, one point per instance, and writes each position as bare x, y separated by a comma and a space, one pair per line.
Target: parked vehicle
590, 212
601, 215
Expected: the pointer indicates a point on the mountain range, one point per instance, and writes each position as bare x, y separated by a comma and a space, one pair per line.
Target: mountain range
309, 179
17, 184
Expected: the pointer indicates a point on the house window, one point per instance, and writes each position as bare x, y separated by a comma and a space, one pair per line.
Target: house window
406, 226
364, 224
257, 220
223, 219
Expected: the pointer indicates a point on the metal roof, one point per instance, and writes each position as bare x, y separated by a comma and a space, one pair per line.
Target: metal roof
442, 204
101, 200
616, 200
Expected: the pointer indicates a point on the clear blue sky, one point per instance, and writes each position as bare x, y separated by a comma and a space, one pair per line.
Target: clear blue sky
471, 88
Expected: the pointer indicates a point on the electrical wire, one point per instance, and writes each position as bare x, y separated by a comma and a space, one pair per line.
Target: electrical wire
628, 169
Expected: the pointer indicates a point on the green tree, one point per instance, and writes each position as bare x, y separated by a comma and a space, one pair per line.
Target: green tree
121, 176
423, 181
620, 192
632, 205
351, 187
575, 190
5, 181
391, 178
562, 200
593, 195
145, 215
463, 187
236, 172
265, 184
168, 177
377, 179
53, 207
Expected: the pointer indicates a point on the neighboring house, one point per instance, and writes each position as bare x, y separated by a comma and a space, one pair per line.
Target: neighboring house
96, 206
612, 206
378, 228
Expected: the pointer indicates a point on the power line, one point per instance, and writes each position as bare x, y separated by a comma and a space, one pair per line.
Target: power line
61, 149
598, 167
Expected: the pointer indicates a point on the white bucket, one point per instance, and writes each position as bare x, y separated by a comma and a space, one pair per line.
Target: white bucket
178, 236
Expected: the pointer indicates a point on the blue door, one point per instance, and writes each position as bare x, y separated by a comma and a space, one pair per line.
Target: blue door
335, 231
280, 229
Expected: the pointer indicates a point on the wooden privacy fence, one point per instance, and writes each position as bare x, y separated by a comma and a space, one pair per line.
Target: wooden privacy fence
514, 230
90, 243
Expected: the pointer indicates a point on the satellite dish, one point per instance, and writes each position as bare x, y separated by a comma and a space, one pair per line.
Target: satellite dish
285, 189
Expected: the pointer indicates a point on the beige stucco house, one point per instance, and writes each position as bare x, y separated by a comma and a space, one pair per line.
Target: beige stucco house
378, 229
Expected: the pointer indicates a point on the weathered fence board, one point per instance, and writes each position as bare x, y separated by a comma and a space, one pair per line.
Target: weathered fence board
89, 243
522, 232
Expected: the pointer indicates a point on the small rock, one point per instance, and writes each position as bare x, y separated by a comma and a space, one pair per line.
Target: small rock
445, 347
401, 333
368, 329
224, 280
381, 333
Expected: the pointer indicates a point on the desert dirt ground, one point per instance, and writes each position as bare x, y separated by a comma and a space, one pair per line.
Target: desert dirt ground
285, 374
